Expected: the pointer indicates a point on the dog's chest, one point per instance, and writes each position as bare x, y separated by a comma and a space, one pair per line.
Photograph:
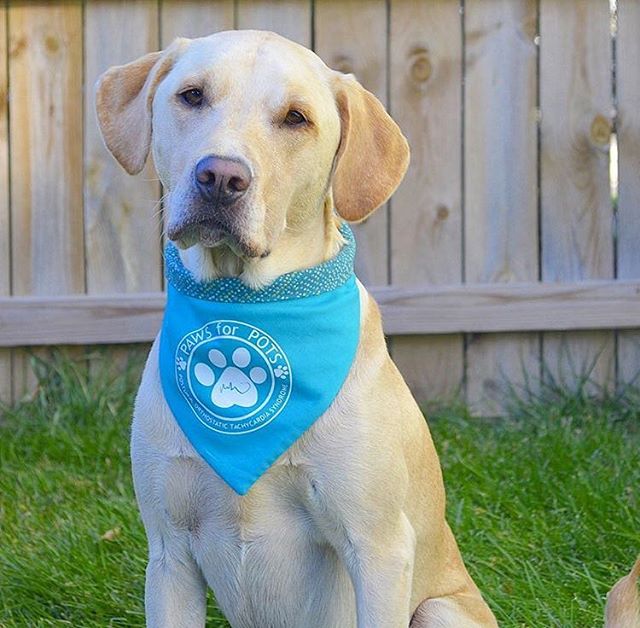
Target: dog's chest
256, 547
290, 492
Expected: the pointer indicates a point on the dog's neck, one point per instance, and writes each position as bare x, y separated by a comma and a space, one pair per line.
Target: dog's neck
297, 248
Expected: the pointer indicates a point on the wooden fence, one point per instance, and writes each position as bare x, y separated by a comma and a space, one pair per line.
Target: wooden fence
505, 249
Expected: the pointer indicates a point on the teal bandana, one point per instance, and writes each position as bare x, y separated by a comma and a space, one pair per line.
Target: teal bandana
245, 372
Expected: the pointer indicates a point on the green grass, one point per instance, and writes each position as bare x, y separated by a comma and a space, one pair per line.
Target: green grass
545, 504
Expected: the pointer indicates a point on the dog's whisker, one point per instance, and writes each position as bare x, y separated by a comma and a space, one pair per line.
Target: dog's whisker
158, 206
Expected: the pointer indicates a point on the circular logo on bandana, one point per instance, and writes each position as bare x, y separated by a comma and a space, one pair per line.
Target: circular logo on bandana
235, 377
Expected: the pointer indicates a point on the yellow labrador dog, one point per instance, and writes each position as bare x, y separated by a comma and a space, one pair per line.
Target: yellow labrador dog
347, 527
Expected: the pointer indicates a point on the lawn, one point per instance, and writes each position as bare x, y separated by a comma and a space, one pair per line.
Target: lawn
545, 504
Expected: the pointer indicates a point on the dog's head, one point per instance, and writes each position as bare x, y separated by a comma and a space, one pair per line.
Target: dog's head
250, 134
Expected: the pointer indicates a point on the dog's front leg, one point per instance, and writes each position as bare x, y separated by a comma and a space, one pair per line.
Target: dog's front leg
380, 563
175, 590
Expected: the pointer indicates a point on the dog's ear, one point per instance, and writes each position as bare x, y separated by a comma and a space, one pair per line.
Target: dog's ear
124, 94
373, 155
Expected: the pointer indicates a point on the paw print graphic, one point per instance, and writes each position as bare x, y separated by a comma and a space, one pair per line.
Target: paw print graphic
181, 363
281, 371
236, 384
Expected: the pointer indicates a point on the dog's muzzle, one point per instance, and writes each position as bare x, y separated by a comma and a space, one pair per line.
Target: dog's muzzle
215, 215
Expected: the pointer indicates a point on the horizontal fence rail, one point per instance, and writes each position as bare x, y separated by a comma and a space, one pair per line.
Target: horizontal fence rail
426, 309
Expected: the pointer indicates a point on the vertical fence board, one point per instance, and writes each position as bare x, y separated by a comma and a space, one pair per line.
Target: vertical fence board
501, 199
5, 249
45, 61
121, 212
628, 84
351, 37
425, 99
194, 18
290, 18
577, 237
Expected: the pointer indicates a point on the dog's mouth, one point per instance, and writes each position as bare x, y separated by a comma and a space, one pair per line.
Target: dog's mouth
197, 229
210, 233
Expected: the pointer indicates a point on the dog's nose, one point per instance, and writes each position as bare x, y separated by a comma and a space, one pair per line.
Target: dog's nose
221, 179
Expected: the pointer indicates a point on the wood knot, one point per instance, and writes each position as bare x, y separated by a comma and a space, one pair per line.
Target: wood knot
442, 212
421, 67
52, 44
490, 387
343, 64
600, 130
17, 46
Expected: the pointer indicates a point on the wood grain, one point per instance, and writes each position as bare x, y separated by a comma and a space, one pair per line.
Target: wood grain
5, 248
80, 320
501, 187
194, 18
513, 307
351, 37
45, 75
576, 211
122, 223
122, 213
421, 309
628, 250
290, 18
425, 217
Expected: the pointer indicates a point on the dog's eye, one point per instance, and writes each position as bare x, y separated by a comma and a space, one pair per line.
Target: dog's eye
294, 118
192, 97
